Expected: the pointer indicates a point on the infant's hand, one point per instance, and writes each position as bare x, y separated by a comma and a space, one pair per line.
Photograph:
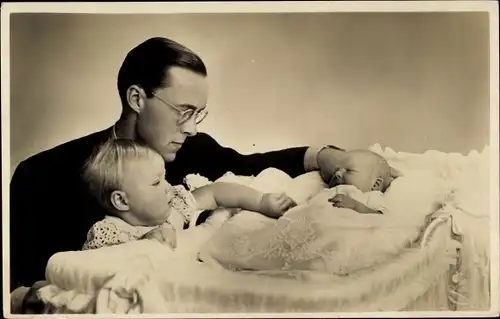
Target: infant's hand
165, 234
275, 205
343, 201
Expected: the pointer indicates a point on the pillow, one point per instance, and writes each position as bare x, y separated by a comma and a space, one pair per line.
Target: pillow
416, 194
300, 189
305, 186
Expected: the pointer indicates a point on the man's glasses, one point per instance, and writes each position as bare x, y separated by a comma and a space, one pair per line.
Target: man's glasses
185, 115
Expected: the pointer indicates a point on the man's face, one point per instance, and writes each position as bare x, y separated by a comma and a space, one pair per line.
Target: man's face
158, 124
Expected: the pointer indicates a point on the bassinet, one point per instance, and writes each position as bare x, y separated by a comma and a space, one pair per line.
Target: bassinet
431, 275
419, 278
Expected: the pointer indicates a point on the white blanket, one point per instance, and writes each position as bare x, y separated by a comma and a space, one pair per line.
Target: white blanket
316, 236
468, 205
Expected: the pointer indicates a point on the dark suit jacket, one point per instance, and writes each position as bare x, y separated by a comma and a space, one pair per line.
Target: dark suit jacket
51, 210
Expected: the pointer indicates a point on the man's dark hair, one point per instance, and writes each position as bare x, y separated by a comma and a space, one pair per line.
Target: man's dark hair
147, 64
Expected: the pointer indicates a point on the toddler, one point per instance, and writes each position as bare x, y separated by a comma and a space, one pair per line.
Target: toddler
128, 179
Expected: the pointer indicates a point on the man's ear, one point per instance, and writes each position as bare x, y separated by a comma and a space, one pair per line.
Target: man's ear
377, 186
136, 98
119, 201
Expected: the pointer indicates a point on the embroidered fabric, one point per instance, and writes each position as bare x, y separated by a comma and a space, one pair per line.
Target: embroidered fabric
285, 245
315, 237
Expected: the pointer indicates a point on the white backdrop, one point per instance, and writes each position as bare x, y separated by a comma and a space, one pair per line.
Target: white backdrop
413, 81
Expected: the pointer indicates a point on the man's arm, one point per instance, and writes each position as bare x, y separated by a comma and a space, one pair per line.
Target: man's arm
23, 198
205, 156
19, 185
37, 226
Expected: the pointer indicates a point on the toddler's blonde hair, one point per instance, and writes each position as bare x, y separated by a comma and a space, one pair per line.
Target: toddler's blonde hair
103, 171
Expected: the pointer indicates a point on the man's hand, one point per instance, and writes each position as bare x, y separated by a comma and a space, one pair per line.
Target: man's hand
275, 205
165, 234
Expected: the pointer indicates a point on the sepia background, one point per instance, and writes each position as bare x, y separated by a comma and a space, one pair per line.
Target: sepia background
411, 81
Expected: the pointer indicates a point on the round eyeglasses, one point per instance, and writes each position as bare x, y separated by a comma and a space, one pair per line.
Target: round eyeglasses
185, 115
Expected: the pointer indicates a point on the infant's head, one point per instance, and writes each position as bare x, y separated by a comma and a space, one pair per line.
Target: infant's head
128, 179
372, 173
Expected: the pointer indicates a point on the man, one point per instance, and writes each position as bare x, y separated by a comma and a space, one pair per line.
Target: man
163, 90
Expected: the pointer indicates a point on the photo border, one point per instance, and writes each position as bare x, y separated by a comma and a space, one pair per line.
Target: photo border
260, 7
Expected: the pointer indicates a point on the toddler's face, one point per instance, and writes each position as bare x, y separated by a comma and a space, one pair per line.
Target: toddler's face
368, 168
148, 193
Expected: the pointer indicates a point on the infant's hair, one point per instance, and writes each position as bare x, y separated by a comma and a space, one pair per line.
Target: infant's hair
104, 169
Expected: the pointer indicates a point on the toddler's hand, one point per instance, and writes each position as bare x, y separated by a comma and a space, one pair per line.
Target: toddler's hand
343, 201
165, 234
275, 205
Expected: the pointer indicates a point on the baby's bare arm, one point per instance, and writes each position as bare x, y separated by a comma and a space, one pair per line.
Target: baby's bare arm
231, 195
227, 195
345, 201
363, 209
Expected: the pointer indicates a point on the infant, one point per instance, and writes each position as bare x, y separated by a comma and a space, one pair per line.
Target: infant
128, 179
360, 189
